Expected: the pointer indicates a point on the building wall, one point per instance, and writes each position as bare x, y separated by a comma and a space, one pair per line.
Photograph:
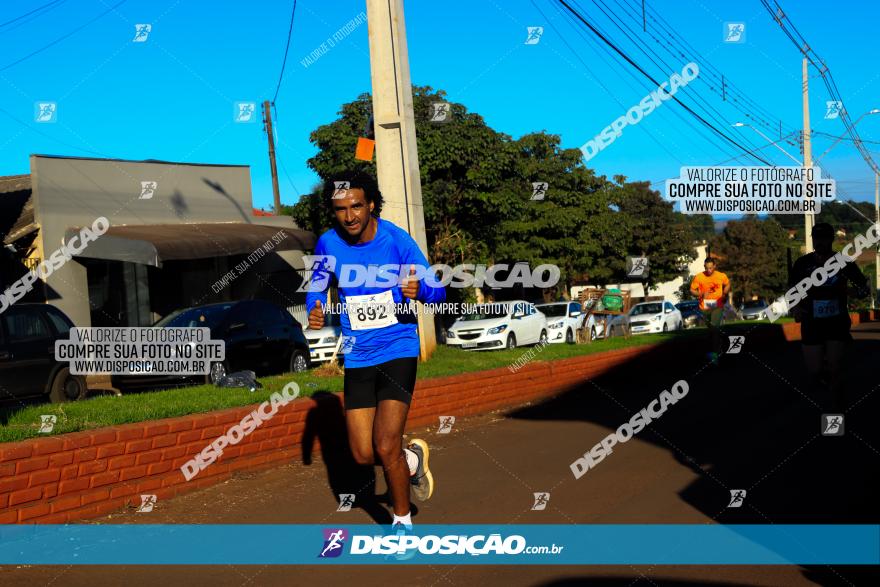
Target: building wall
72, 192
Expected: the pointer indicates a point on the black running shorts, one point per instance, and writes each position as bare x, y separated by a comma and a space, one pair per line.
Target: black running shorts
365, 387
817, 331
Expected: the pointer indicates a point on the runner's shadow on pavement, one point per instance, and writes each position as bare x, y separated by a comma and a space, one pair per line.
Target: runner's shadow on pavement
754, 424
326, 423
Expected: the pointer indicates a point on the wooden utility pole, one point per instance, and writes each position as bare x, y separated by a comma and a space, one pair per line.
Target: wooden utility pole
397, 160
267, 125
809, 219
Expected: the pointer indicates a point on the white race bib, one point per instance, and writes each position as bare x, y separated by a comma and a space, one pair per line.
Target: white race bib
371, 310
710, 303
825, 308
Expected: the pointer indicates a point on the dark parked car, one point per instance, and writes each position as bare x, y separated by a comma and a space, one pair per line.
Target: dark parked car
259, 336
27, 354
690, 313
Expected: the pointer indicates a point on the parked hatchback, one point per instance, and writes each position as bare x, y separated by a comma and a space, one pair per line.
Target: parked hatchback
753, 310
497, 326
258, 335
654, 317
27, 354
563, 321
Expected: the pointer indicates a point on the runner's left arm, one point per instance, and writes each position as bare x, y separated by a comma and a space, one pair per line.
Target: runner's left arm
858, 279
411, 254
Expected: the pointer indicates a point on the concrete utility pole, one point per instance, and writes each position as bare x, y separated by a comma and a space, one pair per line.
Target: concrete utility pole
267, 121
809, 219
397, 160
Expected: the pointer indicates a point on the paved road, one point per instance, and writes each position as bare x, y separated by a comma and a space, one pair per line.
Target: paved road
750, 424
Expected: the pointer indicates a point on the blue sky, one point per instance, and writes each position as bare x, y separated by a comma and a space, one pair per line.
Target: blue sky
172, 97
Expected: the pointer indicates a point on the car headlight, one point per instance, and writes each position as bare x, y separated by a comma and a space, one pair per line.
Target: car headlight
656, 318
329, 340
555, 325
450, 334
497, 329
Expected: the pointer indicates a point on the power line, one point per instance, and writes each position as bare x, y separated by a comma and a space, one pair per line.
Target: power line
39, 8
825, 134
792, 33
650, 54
286, 49
61, 38
600, 48
677, 43
647, 75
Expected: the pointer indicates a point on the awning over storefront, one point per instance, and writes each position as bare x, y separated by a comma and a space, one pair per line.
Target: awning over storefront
154, 244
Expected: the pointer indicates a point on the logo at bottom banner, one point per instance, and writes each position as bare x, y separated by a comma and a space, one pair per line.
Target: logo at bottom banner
480, 544
334, 542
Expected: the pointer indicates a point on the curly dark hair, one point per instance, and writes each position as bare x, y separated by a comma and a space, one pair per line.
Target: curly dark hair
356, 180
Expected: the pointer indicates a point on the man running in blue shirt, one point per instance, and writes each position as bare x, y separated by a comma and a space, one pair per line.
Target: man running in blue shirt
380, 367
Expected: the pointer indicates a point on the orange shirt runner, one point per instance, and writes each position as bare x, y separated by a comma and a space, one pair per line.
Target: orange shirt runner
711, 289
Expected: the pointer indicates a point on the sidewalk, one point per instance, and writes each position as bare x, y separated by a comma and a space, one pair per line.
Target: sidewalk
749, 425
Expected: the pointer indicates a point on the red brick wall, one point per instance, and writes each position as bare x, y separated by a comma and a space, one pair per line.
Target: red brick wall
86, 474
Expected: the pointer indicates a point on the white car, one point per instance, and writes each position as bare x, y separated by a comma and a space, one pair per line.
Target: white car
654, 317
322, 342
564, 319
497, 326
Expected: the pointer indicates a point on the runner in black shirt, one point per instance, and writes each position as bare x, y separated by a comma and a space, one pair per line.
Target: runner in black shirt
823, 312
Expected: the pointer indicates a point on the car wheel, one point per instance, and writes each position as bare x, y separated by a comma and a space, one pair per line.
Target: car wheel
543, 338
593, 334
569, 336
299, 362
511, 341
680, 326
67, 388
220, 369
665, 327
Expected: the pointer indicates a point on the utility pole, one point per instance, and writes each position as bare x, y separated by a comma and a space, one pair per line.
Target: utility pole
397, 159
809, 220
267, 126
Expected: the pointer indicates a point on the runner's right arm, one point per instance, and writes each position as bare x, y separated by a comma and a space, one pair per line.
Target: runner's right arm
317, 293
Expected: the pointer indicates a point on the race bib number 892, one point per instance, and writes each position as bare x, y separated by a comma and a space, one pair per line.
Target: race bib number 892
371, 311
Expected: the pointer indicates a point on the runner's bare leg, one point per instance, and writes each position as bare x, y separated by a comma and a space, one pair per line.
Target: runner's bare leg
388, 441
360, 434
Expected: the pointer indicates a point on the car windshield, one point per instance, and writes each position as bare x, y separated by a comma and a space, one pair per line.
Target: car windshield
486, 313
686, 305
553, 310
646, 309
753, 304
205, 316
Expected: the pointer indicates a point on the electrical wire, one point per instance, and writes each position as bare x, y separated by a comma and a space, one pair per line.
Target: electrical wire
49, 5
629, 60
286, 49
61, 38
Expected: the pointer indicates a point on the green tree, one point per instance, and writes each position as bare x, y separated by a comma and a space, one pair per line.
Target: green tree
652, 230
753, 255
572, 227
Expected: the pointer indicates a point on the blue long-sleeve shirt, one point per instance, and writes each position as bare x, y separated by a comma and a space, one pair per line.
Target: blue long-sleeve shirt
391, 245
